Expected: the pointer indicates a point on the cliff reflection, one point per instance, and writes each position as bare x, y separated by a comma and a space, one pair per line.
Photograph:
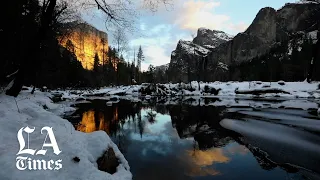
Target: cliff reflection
191, 139
87, 123
200, 162
97, 121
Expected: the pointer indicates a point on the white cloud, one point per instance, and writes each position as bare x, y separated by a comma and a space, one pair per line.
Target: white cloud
162, 30
154, 55
157, 45
159, 34
142, 26
193, 14
239, 27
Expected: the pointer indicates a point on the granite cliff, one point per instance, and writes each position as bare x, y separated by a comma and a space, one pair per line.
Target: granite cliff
272, 34
87, 40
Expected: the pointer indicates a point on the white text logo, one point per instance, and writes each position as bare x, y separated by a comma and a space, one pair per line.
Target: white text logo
23, 163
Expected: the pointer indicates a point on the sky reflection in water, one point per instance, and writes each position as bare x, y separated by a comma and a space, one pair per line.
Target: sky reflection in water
184, 147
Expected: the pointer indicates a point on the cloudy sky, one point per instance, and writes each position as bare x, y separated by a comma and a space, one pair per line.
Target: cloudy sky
159, 32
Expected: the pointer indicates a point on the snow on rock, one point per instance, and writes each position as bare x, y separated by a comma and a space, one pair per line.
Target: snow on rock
313, 35
307, 2
37, 111
223, 66
192, 48
297, 45
281, 83
109, 103
226, 89
214, 34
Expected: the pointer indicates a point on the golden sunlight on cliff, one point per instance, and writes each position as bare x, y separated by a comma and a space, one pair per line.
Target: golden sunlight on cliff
207, 158
199, 162
88, 122
90, 118
87, 41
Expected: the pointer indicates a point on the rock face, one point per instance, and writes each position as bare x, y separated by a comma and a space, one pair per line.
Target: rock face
189, 56
162, 68
269, 29
87, 40
256, 40
161, 75
210, 39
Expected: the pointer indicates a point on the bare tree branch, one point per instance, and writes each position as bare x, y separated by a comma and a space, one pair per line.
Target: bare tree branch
120, 39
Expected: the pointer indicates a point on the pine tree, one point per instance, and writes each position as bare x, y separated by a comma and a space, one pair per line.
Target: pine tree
150, 74
96, 63
140, 57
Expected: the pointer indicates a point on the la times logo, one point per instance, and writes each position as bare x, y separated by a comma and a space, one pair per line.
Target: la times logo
26, 162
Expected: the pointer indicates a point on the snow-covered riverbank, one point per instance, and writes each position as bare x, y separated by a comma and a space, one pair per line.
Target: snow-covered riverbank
291, 90
255, 94
37, 111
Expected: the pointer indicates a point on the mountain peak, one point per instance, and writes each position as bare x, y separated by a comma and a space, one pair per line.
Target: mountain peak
211, 38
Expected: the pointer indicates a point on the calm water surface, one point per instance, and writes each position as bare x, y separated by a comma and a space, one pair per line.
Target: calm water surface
207, 142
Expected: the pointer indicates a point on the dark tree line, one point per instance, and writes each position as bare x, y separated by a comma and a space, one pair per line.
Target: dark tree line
27, 32
281, 63
116, 71
32, 55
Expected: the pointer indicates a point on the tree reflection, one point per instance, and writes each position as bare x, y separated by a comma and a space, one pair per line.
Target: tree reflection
202, 123
141, 124
151, 116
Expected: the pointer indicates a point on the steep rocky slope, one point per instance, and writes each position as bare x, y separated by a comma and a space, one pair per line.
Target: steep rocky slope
272, 31
210, 39
87, 40
189, 55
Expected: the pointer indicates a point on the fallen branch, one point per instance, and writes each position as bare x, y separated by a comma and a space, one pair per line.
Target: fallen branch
17, 105
12, 74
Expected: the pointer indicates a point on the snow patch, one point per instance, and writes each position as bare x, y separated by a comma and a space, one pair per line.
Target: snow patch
223, 66
191, 48
38, 111
313, 35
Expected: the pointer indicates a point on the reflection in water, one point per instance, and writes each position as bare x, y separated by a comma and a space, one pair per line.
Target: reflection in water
200, 162
187, 142
208, 157
87, 123
96, 121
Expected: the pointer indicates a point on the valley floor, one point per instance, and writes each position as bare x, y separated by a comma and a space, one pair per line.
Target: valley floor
38, 110
286, 94
223, 89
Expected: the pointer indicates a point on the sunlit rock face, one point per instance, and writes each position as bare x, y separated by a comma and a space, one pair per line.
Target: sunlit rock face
87, 40
97, 121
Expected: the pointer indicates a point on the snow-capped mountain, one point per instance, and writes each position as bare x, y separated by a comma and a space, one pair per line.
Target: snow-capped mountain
162, 68
211, 38
276, 44
190, 53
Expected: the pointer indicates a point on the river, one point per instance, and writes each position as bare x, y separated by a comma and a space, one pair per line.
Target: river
189, 141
